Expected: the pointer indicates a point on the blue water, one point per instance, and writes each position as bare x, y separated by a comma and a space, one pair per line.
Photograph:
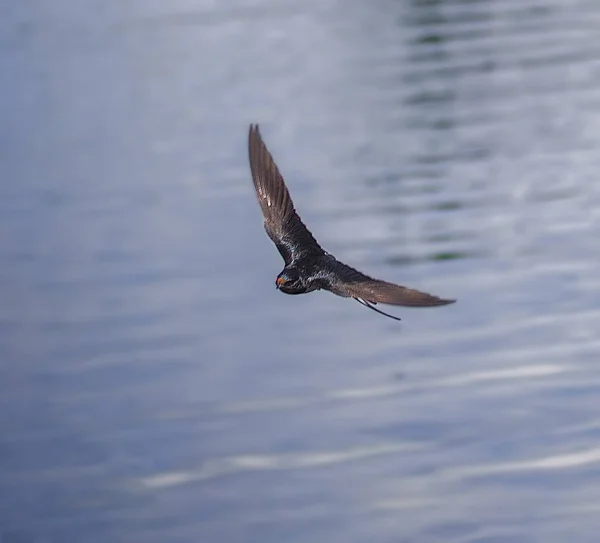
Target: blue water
155, 387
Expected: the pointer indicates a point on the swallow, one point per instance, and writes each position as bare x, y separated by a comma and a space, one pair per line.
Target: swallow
307, 266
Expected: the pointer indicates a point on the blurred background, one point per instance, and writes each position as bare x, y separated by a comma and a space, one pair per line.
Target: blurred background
155, 387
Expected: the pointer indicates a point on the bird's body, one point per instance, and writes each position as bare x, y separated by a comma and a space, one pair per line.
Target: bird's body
307, 266
316, 273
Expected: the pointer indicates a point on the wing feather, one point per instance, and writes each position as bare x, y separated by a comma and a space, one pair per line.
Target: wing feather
282, 223
352, 283
376, 291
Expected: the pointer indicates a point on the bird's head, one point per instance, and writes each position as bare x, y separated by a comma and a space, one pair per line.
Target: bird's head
290, 282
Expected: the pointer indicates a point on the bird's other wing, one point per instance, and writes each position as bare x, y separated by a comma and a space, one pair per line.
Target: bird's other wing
282, 223
352, 283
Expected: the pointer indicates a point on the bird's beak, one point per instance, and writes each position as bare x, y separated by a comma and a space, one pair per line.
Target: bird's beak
280, 281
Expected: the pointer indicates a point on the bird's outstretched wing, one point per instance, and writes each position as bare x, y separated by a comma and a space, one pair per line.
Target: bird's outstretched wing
282, 223
352, 283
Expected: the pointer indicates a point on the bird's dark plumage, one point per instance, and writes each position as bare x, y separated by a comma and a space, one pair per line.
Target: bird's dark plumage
307, 266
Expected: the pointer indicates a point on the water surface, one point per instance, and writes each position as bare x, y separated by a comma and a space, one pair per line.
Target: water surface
153, 384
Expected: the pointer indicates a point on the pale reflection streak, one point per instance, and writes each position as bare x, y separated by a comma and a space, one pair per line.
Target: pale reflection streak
241, 463
559, 462
545, 463
217, 467
522, 373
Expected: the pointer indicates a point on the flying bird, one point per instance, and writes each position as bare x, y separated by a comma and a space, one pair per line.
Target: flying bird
307, 266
